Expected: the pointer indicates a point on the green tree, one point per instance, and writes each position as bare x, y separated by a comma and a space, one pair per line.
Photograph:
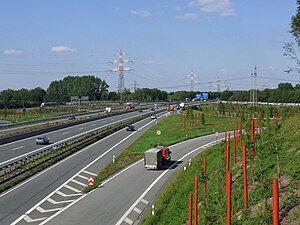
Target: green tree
292, 49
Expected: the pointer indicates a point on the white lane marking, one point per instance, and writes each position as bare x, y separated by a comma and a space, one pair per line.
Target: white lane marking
137, 210
72, 189
90, 173
69, 187
77, 200
122, 171
14, 149
40, 209
65, 133
29, 220
129, 221
60, 202
144, 201
83, 177
62, 161
154, 182
24, 155
93, 125
78, 182
80, 128
67, 195
54, 131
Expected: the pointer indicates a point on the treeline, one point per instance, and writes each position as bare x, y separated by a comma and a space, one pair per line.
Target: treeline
284, 93
97, 90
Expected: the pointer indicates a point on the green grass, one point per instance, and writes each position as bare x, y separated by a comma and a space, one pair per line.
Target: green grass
171, 206
172, 131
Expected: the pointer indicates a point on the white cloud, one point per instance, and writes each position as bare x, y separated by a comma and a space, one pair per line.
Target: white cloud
143, 13
12, 52
62, 48
222, 7
188, 16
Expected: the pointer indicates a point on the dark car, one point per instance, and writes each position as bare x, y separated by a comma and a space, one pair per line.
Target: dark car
130, 128
140, 110
71, 117
42, 141
152, 109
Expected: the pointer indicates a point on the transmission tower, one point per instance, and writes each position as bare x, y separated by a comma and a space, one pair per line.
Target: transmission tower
253, 91
192, 79
218, 81
135, 85
121, 69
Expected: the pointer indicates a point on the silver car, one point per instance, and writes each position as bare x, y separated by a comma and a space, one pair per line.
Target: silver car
42, 141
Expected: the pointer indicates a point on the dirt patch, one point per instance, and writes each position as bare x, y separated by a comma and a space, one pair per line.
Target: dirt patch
289, 219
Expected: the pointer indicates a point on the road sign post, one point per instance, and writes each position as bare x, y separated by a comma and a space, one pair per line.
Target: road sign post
90, 181
216, 134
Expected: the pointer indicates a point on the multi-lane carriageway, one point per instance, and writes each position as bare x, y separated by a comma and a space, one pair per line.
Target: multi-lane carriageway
18, 200
55, 195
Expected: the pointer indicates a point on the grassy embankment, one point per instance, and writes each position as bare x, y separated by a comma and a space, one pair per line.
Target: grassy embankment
277, 156
172, 131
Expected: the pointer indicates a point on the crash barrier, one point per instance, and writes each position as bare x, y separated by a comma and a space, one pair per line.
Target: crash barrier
52, 119
69, 144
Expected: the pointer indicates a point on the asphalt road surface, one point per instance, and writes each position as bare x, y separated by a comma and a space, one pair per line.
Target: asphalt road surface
15, 149
120, 200
69, 173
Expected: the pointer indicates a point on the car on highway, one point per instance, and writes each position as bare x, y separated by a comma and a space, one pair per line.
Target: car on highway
153, 117
71, 117
140, 110
130, 128
152, 109
42, 140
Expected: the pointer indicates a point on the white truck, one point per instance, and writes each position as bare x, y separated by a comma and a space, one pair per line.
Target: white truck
154, 158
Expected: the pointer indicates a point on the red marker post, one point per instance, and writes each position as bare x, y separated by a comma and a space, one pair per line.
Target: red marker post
228, 181
275, 203
241, 135
190, 205
252, 137
245, 178
204, 170
234, 146
196, 201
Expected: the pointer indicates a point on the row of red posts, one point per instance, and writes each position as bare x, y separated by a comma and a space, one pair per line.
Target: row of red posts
237, 133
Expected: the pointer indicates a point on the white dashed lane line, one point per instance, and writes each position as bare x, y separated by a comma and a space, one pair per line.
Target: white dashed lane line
14, 149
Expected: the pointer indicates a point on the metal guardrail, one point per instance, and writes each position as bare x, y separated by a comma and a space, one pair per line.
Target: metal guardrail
32, 122
12, 164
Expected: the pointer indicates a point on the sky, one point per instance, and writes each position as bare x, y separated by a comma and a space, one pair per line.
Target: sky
46, 40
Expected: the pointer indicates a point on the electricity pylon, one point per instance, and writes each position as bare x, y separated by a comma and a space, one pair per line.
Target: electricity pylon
121, 69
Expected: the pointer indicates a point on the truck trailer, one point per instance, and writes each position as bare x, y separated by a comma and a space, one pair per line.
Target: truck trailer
154, 158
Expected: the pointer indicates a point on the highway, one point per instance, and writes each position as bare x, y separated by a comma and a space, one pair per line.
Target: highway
21, 147
18, 200
120, 200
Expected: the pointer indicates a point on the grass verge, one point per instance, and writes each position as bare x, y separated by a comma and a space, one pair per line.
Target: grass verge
172, 131
277, 152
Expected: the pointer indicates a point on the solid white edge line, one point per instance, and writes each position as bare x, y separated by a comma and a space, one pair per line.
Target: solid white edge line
39, 149
153, 183
75, 126
43, 200
58, 163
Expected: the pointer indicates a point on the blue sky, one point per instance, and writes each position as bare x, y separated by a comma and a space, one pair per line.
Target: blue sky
46, 40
